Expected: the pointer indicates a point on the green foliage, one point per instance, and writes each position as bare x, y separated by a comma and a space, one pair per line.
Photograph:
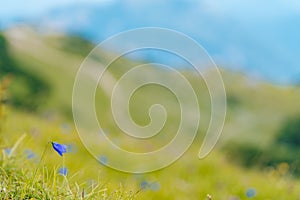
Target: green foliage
289, 135
21, 179
1, 103
17, 183
233, 101
74, 44
244, 153
188, 178
252, 121
284, 149
27, 90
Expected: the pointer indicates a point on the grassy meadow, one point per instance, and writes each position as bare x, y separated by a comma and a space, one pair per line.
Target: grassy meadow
250, 161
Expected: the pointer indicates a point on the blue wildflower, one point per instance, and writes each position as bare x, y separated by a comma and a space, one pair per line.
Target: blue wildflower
59, 148
29, 154
103, 159
155, 186
251, 192
63, 171
7, 151
144, 184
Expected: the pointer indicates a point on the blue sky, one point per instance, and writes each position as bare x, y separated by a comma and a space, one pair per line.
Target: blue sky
259, 37
32, 7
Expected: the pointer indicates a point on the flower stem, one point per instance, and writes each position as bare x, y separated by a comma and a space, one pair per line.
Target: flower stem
40, 162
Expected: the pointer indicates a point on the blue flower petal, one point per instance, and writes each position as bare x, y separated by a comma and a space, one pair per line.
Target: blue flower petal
7, 151
63, 171
59, 148
251, 192
29, 154
144, 184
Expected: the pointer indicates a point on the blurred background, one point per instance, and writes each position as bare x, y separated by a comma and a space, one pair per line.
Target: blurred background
257, 37
254, 43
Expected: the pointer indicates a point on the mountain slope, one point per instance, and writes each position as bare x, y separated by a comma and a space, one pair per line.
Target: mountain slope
256, 111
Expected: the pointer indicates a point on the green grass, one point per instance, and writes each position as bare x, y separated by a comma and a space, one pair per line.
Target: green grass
43, 182
37, 177
188, 178
256, 111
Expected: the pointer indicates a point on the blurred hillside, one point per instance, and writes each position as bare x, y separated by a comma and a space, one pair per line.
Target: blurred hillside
262, 125
257, 37
45, 67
